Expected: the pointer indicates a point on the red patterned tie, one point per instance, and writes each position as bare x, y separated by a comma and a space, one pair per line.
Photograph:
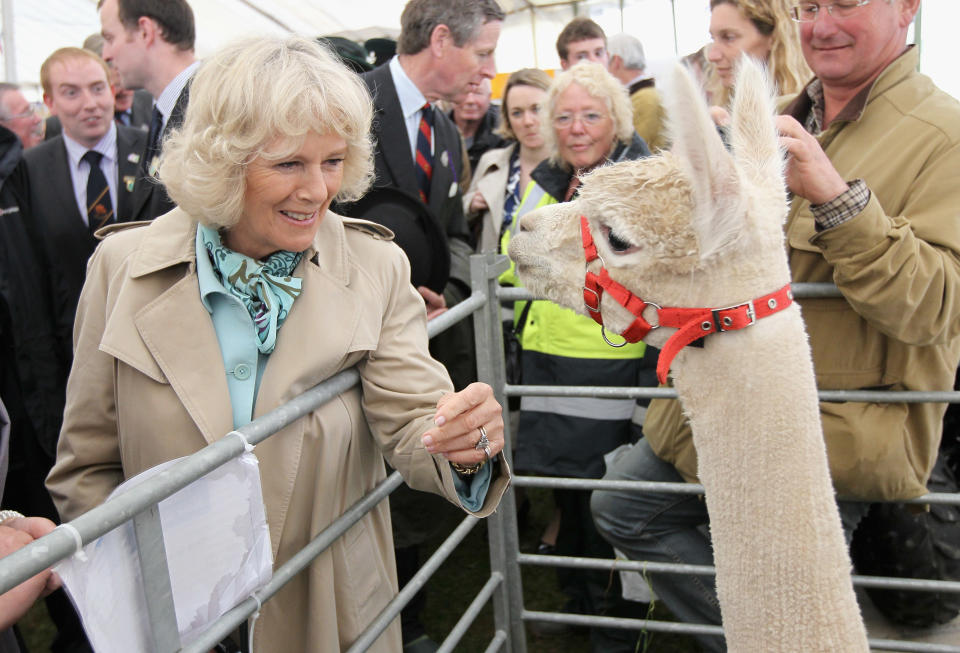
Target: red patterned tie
99, 206
424, 153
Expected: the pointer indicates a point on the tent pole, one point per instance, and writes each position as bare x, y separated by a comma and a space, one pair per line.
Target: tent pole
533, 30
676, 40
918, 34
9, 51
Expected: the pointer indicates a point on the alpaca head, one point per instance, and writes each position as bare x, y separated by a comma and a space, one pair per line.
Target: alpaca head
696, 226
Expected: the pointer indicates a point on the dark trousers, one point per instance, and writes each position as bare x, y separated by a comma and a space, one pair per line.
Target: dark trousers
592, 592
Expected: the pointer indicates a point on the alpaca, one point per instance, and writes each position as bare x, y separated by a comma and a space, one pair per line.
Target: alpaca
700, 226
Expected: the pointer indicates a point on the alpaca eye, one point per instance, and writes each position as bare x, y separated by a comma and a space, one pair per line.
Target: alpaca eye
616, 243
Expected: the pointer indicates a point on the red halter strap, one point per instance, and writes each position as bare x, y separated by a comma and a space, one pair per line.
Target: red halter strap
691, 323
595, 285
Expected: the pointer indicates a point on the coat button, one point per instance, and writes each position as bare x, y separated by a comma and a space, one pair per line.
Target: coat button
241, 372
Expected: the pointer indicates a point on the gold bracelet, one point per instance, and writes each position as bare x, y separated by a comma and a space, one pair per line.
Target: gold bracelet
467, 470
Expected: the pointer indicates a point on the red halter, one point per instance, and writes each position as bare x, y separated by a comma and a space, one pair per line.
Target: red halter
691, 323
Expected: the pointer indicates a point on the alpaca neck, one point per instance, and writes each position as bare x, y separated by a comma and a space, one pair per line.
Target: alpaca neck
751, 399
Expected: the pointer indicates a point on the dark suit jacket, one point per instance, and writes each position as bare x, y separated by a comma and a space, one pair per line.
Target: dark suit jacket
141, 110
150, 197
394, 167
56, 219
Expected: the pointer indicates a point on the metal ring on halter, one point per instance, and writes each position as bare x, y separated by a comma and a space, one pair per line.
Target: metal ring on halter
595, 294
603, 332
659, 308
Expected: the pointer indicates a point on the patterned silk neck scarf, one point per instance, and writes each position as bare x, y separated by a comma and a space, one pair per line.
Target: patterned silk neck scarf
266, 288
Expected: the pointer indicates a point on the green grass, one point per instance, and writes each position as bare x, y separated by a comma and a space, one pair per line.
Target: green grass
37, 629
453, 587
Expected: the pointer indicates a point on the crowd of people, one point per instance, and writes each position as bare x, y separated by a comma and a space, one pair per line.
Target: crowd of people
174, 236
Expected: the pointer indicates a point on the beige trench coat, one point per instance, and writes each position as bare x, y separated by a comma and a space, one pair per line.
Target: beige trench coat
490, 180
148, 384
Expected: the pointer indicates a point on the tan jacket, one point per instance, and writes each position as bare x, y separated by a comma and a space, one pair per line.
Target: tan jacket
898, 266
148, 385
649, 117
490, 180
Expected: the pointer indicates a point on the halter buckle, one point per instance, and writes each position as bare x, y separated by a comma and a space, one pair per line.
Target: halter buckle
725, 323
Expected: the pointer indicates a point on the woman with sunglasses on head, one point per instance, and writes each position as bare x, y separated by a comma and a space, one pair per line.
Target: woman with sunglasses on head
762, 29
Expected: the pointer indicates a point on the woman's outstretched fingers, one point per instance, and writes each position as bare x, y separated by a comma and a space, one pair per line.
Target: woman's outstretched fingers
458, 420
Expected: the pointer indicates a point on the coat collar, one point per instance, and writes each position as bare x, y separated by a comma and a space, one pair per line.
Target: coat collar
328, 306
901, 67
171, 240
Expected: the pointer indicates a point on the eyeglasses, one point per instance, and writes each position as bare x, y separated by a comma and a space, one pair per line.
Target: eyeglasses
33, 109
590, 119
807, 12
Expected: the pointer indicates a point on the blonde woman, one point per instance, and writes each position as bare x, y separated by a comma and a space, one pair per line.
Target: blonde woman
503, 173
248, 294
762, 29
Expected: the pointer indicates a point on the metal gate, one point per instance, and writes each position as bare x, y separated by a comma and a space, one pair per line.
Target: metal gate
503, 587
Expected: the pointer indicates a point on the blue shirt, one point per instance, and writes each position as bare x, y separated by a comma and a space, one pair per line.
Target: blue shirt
244, 364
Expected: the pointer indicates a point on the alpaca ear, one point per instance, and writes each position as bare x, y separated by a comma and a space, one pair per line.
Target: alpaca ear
710, 169
753, 133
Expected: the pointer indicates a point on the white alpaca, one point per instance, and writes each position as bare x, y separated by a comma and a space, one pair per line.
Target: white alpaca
701, 227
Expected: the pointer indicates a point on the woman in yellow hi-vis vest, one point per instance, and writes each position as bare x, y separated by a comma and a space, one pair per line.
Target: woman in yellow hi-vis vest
587, 122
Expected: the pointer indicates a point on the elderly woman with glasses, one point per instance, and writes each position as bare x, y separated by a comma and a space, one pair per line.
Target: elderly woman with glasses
252, 292
586, 122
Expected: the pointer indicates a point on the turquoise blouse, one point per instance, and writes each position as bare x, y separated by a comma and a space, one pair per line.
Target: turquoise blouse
244, 364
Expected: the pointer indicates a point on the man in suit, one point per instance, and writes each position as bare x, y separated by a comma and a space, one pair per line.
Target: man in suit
151, 45
130, 108
445, 50
83, 179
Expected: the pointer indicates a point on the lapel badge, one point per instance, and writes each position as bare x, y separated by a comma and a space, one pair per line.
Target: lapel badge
453, 190
129, 180
133, 157
154, 164
445, 159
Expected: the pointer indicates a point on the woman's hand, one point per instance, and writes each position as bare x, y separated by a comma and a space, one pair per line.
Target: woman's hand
458, 420
436, 304
16, 534
478, 203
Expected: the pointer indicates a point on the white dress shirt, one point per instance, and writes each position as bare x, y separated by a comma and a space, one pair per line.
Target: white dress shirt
80, 170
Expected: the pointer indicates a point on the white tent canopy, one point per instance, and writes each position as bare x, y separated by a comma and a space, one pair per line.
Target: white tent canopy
666, 28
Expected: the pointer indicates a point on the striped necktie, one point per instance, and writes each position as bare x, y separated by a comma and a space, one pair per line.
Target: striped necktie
424, 153
99, 206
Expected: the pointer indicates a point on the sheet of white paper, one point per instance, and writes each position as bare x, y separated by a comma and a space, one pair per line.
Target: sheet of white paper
218, 552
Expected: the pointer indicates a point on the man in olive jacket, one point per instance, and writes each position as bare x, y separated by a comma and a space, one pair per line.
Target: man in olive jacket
873, 152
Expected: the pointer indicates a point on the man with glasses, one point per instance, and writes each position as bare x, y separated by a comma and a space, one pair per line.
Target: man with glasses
20, 116
873, 150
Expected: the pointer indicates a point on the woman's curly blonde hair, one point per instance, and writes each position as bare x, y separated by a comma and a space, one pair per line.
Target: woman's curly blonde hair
786, 64
599, 84
242, 100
